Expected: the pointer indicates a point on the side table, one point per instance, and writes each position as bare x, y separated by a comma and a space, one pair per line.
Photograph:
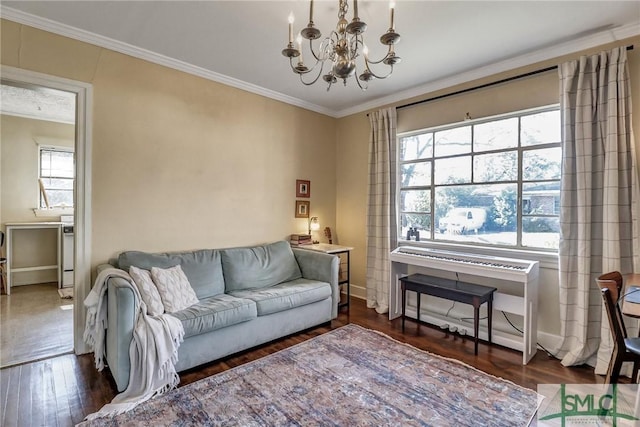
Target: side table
345, 265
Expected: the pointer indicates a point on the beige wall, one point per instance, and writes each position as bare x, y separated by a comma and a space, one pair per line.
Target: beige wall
352, 151
180, 162
19, 139
19, 191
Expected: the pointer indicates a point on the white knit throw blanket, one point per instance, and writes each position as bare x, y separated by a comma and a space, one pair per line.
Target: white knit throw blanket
153, 351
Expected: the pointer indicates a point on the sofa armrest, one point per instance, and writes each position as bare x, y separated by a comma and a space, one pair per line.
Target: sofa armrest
322, 267
121, 318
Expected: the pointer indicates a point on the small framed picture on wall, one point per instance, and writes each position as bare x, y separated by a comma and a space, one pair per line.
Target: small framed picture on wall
303, 188
302, 209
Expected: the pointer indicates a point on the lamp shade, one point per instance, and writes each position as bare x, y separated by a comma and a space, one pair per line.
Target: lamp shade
314, 224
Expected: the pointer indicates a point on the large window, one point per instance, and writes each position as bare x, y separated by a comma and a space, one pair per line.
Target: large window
56, 177
492, 182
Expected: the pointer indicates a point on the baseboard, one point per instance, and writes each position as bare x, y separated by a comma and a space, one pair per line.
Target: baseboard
550, 342
358, 292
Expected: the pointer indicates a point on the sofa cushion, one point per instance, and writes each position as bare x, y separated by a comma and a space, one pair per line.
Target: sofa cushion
258, 266
286, 295
215, 313
203, 268
148, 291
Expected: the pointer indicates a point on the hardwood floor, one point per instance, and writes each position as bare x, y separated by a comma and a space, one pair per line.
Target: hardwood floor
61, 391
35, 323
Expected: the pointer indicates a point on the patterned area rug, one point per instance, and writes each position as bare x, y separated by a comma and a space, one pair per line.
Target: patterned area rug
350, 376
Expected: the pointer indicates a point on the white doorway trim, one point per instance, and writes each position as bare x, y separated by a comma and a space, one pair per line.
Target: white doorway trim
84, 102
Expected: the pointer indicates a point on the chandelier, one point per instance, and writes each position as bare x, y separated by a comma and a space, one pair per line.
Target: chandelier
342, 50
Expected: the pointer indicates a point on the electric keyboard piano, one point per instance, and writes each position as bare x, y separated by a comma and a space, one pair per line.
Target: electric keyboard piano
522, 272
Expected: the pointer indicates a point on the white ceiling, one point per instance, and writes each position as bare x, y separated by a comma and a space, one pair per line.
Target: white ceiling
239, 42
36, 102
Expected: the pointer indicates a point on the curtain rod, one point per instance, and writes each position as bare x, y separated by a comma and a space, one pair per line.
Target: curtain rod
508, 79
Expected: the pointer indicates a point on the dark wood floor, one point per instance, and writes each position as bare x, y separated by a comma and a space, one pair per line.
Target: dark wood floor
61, 391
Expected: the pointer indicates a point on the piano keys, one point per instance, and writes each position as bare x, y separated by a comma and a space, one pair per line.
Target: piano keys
523, 273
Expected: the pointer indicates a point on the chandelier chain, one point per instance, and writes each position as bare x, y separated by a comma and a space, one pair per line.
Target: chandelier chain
344, 8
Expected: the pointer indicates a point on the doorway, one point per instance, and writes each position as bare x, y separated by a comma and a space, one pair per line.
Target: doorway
37, 145
82, 92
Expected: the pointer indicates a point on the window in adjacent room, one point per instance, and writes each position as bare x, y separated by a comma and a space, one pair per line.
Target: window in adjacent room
494, 181
56, 176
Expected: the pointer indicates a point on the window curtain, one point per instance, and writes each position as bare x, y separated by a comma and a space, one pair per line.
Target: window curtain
599, 199
381, 214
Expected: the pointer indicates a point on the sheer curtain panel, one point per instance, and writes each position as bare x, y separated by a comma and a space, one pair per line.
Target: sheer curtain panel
599, 199
381, 214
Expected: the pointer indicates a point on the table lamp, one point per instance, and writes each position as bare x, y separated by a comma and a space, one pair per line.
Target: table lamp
314, 224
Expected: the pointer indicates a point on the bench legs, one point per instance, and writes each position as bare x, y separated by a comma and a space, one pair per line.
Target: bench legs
476, 316
476, 325
404, 303
476, 321
404, 306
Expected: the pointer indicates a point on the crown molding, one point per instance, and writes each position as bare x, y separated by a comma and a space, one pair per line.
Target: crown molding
540, 55
156, 58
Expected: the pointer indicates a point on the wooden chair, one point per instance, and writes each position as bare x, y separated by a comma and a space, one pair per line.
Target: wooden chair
624, 349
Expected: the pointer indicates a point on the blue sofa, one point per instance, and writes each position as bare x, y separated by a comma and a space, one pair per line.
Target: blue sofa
247, 297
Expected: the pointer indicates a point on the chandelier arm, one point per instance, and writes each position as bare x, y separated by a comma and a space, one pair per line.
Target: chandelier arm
381, 77
313, 52
368, 61
366, 86
296, 70
315, 79
309, 69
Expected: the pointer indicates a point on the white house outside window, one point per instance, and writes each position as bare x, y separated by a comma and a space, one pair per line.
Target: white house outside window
56, 177
494, 181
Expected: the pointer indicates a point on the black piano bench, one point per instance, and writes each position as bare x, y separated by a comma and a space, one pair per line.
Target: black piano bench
453, 290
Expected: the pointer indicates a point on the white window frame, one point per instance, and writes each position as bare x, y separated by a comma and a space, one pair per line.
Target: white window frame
547, 257
50, 148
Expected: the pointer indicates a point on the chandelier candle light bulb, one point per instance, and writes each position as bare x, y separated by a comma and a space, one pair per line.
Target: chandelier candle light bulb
392, 7
340, 50
291, 19
299, 40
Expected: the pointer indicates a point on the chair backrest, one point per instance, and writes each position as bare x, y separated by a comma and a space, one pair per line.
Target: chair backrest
1, 239
616, 324
613, 281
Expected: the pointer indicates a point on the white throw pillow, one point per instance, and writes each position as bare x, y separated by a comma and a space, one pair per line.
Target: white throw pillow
174, 288
148, 290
